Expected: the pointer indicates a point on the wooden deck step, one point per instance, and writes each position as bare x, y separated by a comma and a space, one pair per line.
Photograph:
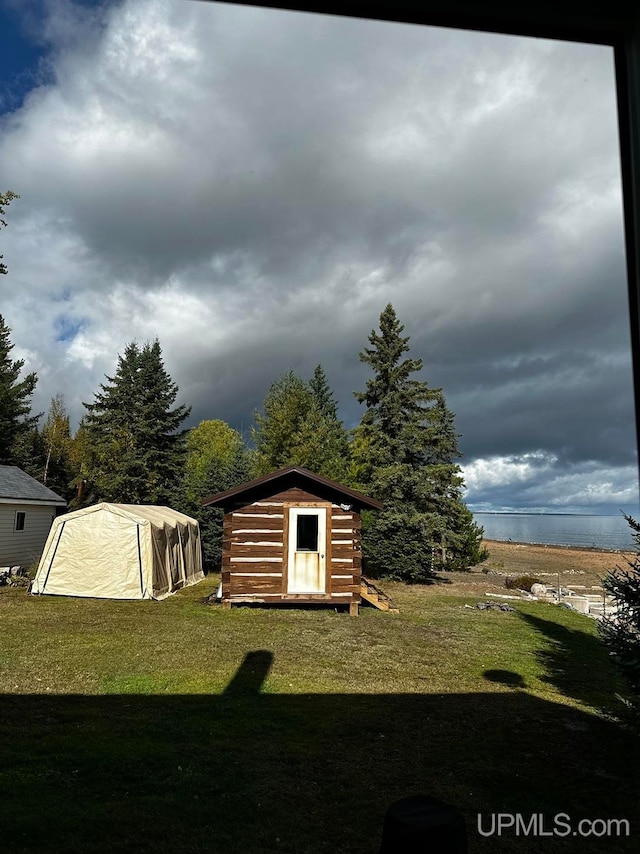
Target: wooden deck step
375, 596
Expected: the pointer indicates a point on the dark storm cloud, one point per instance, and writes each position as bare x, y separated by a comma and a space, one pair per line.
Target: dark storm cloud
254, 186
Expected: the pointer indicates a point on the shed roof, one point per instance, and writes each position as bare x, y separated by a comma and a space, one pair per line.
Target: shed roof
287, 478
16, 485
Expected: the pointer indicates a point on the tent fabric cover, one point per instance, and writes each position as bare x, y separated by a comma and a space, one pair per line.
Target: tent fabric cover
120, 551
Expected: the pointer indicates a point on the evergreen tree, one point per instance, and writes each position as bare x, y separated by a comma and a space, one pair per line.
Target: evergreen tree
5, 199
277, 430
454, 535
331, 430
322, 393
217, 459
136, 452
296, 429
405, 451
30, 452
16, 421
621, 632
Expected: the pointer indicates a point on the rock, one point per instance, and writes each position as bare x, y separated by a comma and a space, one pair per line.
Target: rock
494, 606
538, 589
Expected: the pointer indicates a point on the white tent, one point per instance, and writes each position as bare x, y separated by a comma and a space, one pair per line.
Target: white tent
120, 551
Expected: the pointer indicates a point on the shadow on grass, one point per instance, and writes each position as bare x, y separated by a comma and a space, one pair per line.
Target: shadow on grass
250, 772
505, 677
576, 663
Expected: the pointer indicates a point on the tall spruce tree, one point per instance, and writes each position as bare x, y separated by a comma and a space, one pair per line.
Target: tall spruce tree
331, 431
620, 630
405, 451
136, 451
321, 391
455, 536
16, 421
298, 427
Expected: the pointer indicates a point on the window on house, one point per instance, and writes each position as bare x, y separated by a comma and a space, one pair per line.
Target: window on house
19, 521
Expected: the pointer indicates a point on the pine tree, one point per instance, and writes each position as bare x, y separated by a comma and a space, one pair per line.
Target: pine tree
297, 428
405, 451
16, 421
30, 452
5, 199
277, 429
136, 451
322, 393
456, 539
222, 474
330, 429
621, 631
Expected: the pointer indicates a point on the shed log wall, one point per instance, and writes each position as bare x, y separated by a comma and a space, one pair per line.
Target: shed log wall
255, 551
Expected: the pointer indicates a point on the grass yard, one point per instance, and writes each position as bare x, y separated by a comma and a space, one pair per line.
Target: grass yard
180, 727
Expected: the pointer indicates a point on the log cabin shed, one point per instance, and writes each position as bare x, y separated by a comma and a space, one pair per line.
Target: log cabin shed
292, 536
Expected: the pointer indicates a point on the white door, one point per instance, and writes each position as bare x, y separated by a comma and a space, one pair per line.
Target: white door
307, 548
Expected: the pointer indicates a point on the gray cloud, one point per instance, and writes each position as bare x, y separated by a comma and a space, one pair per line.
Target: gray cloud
252, 187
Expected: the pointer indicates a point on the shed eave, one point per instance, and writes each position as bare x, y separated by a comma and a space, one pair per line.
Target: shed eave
306, 477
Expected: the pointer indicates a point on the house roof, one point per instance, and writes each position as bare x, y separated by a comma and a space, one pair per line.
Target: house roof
288, 478
16, 485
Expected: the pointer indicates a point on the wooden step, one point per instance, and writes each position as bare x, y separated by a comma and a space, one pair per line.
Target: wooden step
372, 594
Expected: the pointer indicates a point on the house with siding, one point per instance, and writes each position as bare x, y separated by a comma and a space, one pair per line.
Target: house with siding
27, 509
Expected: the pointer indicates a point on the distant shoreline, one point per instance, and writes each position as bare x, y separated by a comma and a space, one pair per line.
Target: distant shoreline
559, 546
592, 533
534, 513
584, 566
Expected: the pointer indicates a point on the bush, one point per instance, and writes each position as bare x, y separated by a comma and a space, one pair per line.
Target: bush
621, 631
522, 582
32, 569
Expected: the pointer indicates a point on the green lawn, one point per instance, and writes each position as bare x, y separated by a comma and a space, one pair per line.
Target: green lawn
174, 726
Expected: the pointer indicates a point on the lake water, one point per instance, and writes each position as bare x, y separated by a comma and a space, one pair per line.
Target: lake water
602, 532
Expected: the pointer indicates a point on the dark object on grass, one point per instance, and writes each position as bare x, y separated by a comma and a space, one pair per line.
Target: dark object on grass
421, 824
494, 606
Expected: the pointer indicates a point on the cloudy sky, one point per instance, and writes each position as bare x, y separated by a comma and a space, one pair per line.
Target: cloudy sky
253, 186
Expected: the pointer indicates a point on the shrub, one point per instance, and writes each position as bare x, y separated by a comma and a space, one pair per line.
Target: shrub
522, 582
32, 569
621, 631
